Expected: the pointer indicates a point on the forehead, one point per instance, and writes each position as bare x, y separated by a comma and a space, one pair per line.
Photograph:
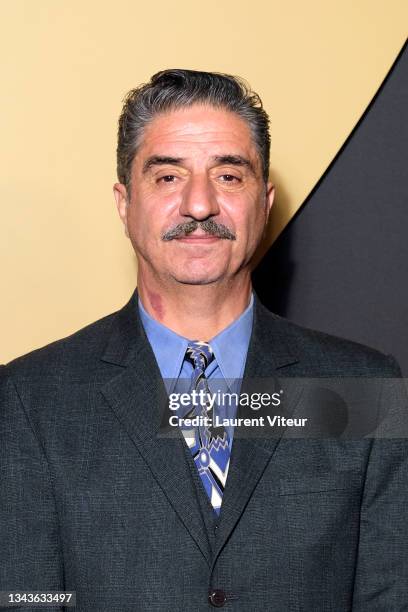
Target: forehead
197, 130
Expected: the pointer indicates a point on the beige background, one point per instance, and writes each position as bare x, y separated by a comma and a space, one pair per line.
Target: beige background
66, 67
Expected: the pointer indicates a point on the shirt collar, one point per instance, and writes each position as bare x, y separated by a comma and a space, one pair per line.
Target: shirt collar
168, 347
230, 346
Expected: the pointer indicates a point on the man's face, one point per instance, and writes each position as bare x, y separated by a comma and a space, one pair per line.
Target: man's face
195, 164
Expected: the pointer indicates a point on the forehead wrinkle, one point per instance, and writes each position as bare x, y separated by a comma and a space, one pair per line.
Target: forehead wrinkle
175, 145
199, 137
181, 127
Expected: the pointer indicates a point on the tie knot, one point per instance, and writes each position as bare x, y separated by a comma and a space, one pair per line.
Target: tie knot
199, 354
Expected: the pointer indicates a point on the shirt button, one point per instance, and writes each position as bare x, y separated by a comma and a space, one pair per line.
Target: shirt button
217, 598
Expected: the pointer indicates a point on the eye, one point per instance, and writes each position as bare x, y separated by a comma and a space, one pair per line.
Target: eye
229, 178
168, 178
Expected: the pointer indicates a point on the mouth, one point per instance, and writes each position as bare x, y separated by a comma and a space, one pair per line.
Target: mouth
199, 237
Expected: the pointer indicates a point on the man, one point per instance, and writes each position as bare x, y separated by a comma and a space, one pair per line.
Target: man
96, 499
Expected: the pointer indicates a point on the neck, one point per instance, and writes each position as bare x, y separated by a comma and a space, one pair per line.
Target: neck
196, 311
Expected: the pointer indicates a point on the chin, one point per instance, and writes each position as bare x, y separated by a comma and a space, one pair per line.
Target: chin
197, 275
199, 278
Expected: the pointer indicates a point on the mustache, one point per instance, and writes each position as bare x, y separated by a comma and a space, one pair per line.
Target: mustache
209, 226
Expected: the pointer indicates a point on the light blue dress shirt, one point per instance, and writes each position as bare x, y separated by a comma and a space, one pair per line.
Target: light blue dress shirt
230, 349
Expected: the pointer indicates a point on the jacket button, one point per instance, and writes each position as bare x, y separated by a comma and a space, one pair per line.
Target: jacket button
217, 598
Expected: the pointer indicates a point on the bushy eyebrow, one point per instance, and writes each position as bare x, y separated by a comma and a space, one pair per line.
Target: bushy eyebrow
234, 160
162, 160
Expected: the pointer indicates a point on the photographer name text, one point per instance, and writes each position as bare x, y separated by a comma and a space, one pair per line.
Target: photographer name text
206, 421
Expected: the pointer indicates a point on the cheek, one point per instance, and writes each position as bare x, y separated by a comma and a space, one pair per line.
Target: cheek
247, 218
140, 219
150, 213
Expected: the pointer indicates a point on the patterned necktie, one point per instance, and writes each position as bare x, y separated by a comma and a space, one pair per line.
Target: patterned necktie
209, 445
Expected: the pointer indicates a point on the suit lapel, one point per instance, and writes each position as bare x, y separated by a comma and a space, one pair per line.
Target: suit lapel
268, 354
137, 395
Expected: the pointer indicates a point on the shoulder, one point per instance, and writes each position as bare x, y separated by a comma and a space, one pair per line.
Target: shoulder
75, 353
322, 354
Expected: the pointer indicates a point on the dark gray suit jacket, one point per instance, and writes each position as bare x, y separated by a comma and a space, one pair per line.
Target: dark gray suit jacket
91, 500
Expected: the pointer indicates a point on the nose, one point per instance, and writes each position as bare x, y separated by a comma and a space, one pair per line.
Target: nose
199, 200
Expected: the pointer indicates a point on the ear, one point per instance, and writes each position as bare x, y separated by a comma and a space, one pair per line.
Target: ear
269, 198
122, 201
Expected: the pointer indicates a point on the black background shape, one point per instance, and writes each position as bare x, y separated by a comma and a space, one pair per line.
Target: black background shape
341, 264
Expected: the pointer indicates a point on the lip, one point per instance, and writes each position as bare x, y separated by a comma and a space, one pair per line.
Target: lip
194, 238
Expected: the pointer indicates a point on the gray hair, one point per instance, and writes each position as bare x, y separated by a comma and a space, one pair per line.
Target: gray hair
175, 88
